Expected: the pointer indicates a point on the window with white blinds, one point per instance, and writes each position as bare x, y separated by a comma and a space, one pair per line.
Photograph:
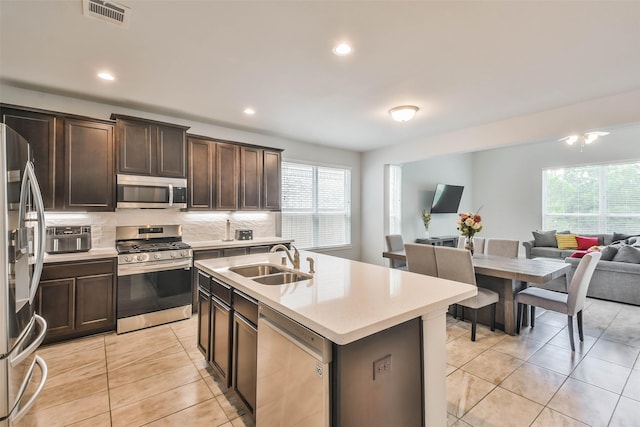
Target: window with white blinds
316, 205
592, 199
395, 199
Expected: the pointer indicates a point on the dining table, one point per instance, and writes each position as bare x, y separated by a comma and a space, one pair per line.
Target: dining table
507, 276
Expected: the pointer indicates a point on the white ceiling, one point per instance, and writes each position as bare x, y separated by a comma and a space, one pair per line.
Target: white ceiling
462, 63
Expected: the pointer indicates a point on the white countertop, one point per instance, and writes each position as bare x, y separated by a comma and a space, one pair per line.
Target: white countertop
80, 256
220, 244
345, 300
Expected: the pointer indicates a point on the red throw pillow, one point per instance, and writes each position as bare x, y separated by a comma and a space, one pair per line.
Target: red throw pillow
579, 254
585, 243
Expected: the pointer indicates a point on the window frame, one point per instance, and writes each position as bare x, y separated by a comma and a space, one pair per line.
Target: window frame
316, 214
602, 216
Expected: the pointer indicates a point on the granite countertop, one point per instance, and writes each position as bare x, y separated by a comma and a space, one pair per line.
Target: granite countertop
81, 256
219, 244
345, 300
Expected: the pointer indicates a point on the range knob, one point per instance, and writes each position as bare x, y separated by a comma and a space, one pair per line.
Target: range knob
173, 254
157, 256
140, 257
128, 258
183, 253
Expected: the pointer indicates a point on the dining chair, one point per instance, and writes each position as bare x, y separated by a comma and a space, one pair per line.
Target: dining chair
395, 243
570, 303
478, 244
457, 264
421, 259
502, 247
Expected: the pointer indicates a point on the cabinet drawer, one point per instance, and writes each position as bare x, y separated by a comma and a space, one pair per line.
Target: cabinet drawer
259, 249
77, 269
204, 282
222, 291
246, 306
234, 251
207, 254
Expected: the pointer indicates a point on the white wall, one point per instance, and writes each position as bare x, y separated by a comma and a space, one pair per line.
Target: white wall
419, 180
293, 150
508, 181
543, 126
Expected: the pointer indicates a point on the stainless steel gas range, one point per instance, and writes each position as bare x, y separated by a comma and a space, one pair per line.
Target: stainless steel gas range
154, 276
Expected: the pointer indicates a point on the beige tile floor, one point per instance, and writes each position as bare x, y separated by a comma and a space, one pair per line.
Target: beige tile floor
157, 377
535, 380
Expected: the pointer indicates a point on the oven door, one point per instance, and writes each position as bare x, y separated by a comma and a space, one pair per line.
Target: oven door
151, 287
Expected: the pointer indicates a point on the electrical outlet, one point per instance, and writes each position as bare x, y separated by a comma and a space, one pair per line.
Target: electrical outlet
381, 366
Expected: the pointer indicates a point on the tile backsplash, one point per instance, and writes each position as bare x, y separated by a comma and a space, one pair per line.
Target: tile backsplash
196, 226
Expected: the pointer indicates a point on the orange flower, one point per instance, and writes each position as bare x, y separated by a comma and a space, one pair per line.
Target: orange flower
464, 216
477, 218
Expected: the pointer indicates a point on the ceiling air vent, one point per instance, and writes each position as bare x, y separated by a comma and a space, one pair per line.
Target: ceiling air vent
110, 12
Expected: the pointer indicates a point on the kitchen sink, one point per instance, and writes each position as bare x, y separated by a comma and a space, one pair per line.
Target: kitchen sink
282, 278
258, 270
270, 274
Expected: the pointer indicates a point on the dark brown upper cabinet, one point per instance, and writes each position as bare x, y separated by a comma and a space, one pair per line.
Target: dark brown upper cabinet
146, 147
88, 165
39, 129
227, 176
201, 173
250, 178
73, 157
271, 180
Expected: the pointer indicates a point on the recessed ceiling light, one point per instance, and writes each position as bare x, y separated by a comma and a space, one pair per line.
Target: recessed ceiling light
106, 76
342, 49
403, 113
249, 111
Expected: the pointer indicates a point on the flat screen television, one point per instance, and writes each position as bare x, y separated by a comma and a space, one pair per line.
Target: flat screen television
446, 198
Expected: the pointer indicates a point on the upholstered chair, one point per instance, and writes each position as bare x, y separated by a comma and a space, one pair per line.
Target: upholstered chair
570, 303
395, 243
421, 259
501, 247
457, 264
478, 244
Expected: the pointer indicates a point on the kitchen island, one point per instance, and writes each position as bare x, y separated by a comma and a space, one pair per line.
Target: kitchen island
346, 301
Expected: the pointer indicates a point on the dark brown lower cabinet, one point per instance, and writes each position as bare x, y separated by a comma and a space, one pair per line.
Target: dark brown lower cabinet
204, 308
232, 341
245, 360
77, 298
56, 305
220, 355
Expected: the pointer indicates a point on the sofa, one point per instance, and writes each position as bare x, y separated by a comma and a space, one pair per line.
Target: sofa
612, 280
541, 246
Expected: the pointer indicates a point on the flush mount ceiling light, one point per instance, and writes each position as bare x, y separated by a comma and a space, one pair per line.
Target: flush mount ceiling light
249, 111
585, 139
342, 49
106, 76
403, 113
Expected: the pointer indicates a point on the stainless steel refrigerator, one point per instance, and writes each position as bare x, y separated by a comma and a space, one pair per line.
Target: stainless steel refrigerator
21, 256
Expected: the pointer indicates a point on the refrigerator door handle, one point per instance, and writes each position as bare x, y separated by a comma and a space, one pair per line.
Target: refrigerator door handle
34, 344
23, 409
30, 180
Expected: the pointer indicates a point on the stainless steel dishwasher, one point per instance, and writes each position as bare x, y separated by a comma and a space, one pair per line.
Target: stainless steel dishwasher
293, 387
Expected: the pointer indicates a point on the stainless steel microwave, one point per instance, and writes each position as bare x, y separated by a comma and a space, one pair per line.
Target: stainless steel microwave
134, 191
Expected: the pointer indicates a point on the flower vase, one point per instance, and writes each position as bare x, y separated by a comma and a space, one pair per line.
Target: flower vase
468, 243
426, 234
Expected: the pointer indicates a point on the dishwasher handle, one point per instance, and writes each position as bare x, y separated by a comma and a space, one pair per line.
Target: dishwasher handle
309, 341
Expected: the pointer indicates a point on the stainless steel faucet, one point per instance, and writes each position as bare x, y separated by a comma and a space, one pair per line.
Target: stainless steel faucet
296, 255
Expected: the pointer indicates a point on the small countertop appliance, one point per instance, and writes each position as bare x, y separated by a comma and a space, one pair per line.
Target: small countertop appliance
244, 234
63, 239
